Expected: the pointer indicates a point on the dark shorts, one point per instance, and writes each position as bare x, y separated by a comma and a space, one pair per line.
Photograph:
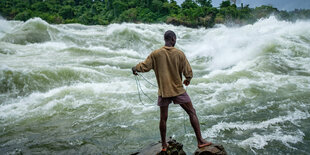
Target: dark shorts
180, 99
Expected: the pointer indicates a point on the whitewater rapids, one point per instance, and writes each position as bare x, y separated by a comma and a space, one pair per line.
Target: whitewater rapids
68, 89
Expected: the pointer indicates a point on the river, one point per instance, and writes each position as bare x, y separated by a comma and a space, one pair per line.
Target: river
69, 89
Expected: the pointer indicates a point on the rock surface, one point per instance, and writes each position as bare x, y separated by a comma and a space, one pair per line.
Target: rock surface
174, 148
213, 149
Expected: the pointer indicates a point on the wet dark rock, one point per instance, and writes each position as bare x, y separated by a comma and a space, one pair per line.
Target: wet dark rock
213, 149
174, 148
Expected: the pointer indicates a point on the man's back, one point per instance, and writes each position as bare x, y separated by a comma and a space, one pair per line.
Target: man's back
168, 64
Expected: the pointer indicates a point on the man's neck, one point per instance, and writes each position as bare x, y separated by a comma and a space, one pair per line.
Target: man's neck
169, 45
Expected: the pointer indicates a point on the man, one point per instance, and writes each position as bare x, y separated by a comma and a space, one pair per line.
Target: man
169, 64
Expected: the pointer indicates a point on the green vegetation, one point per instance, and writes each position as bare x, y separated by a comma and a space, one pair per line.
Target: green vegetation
191, 13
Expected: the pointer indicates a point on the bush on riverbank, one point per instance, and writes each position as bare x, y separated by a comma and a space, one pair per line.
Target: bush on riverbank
191, 13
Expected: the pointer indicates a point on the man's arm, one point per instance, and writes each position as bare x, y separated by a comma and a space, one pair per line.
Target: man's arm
144, 66
187, 71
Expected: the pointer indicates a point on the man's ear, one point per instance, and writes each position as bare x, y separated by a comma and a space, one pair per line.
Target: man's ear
173, 39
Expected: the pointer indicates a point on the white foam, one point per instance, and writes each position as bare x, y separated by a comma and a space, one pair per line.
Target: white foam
36, 103
259, 141
292, 117
229, 46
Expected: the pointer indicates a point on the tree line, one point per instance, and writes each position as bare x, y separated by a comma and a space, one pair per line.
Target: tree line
191, 13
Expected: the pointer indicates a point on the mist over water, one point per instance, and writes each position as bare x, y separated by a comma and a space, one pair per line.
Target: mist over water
69, 88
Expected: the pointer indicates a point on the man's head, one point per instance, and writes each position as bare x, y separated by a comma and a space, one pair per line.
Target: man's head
170, 38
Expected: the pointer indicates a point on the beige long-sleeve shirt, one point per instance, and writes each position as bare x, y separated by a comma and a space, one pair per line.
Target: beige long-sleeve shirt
168, 64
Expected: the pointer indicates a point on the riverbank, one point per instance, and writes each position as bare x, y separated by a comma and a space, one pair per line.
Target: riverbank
189, 13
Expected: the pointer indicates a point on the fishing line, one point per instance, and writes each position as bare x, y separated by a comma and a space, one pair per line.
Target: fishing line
147, 80
140, 89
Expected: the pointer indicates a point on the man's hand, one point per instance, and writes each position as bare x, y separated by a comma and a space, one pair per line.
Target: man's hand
186, 82
134, 70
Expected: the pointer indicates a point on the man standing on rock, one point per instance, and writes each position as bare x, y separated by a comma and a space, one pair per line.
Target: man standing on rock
169, 64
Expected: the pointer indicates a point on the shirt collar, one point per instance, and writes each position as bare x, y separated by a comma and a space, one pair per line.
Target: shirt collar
168, 48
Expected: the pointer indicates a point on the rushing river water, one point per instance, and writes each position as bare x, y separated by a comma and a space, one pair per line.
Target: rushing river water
69, 89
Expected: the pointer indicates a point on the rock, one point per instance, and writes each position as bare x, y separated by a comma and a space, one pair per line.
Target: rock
213, 149
174, 148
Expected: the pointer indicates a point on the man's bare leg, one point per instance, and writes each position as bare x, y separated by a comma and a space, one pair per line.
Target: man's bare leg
163, 125
188, 107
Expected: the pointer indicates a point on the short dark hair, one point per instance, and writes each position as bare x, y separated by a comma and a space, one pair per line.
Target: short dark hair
169, 35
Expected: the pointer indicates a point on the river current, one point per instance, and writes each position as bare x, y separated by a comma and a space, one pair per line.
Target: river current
69, 89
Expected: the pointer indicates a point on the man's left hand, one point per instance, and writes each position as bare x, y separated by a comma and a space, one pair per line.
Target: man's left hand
186, 82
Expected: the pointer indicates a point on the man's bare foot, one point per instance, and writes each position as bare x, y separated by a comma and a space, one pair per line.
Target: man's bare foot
164, 146
204, 143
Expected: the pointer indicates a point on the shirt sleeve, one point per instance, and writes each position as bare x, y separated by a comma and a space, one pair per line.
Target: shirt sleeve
187, 69
146, 65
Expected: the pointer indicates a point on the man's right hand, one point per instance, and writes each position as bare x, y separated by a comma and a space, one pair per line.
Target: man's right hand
134, 70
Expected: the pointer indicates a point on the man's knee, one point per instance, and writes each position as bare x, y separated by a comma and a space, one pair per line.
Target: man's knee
188, 107
164, 116
192, 112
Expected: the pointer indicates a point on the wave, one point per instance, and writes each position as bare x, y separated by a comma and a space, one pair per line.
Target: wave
68, 98
228, 46
32, 31
24, 82
222, 47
